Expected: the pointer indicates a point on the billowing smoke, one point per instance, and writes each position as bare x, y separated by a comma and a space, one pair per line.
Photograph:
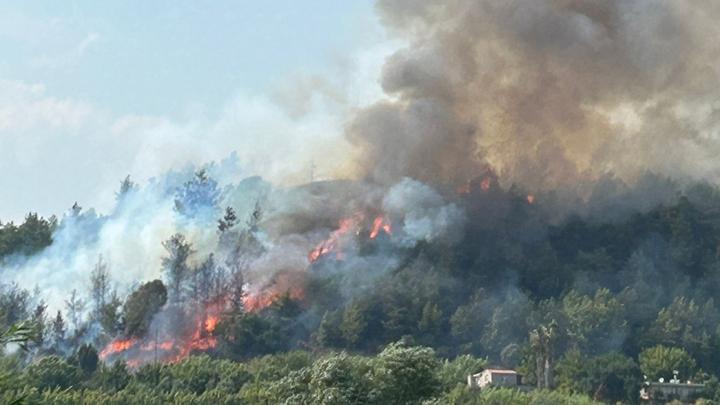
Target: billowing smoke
424, 213
546, 92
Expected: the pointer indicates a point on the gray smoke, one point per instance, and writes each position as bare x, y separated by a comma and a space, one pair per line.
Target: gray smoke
547, 92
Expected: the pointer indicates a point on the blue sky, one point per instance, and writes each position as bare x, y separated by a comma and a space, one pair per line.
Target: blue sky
93, 90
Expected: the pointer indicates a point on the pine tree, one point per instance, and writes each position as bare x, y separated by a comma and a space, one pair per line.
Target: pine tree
75, 307
353, 324
175, 265
126, 186
58, 329
39, 319
99, 286
227, 221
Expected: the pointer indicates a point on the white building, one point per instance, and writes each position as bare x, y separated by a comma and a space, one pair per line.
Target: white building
495, 377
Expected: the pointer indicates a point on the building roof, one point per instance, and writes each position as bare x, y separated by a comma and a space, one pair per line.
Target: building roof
498, 371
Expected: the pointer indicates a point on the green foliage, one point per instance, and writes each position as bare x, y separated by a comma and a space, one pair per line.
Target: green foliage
20, 333
609, 377
175, 265
596, 323
142, 305
250, 334
339, 379
52, 372
686, 324
455, 372
87, 359
403, 374
354, 325
113, 378
33, 235
661, 361
461, 395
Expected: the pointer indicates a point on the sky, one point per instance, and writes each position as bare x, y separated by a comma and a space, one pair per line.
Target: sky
93, 91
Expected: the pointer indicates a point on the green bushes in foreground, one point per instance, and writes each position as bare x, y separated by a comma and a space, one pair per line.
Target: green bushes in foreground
400, 374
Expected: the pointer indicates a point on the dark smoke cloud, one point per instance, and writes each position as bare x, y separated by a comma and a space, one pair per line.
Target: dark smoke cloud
547, 92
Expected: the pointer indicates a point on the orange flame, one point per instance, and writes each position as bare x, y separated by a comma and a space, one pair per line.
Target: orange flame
485, 184
210, 323
380, 224
265, 298
332, 244
117, 346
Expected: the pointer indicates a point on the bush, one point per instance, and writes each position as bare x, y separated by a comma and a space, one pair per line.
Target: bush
52, 372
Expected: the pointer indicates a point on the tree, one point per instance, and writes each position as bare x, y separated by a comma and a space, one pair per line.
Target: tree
39, 319
198, 197
249, 334
58, 329
110, 316
456, 371
204, 280
175, 266
339, 379
354, 324
99, 286
52, 372
127, 186
431, 320
142, 305
688, 325
87, 359
594, 323
14, 304
228, 221
611, 377
113, 378
328, 332
662, 361
75, 307
543, 341
403, 374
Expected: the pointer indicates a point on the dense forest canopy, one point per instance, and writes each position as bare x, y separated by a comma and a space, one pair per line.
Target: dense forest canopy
466, 277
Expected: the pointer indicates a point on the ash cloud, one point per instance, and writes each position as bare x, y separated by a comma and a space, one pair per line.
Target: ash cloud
548, 92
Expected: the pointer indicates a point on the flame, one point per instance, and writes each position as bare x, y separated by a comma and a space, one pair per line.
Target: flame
530, 198
485, 184
117, 346
332, 244
380, 224
137, 353
210, 323
265, 298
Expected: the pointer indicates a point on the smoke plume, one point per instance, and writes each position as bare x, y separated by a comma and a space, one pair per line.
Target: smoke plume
546, 92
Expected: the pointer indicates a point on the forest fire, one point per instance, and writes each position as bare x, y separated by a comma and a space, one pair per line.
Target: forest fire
264, 299
380, 223
117, 346
333, 243
168, 350
200, 338
210, 323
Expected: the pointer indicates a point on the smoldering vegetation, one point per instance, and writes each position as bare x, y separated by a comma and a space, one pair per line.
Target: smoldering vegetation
248, 268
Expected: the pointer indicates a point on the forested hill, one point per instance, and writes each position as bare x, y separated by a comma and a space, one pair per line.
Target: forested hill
617, 297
